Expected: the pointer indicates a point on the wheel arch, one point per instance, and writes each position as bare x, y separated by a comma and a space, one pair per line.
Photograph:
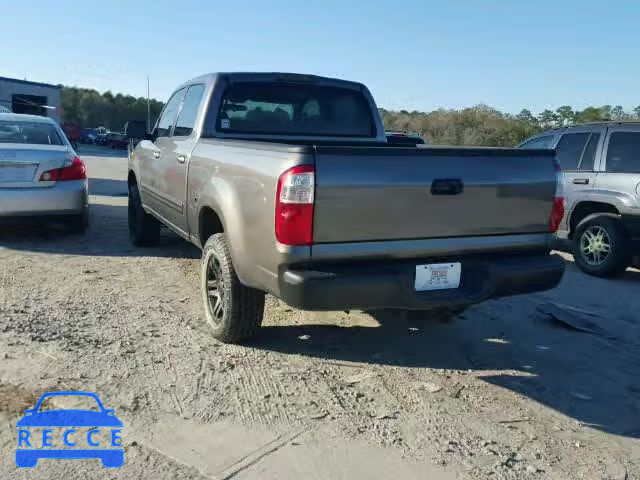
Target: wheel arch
210, 222
586, 209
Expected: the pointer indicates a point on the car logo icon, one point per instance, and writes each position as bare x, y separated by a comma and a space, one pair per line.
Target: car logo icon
68, 420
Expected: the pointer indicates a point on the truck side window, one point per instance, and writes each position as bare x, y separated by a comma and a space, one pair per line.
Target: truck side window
623, 153
169, 113
589, 154
570, 148
187, 116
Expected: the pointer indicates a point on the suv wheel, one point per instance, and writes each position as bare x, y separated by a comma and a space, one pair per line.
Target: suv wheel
233, 311
601, 245
144, 229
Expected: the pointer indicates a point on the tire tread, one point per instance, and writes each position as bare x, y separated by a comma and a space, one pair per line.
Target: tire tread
147, 228
245, 308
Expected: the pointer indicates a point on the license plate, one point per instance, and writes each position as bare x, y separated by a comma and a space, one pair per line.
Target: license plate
437, 276
17, 173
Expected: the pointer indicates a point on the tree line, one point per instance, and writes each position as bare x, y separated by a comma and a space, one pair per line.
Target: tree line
88, 108
486, 126
478, 125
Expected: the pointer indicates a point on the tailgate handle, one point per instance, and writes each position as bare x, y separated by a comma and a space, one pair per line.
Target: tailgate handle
444, 186
581, 181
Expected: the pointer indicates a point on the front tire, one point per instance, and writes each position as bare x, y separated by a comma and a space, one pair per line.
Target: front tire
233, 311
600, 245
144, 229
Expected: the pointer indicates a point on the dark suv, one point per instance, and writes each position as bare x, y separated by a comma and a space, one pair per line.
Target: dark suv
601, 162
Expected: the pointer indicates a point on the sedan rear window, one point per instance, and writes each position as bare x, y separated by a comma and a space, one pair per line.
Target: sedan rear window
280, 108
34, 133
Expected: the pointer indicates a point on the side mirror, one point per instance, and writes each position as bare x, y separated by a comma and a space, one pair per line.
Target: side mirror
109, 411
29, 411
135, 129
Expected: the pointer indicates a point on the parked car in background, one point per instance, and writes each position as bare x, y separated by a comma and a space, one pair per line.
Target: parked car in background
89, 136
40, 174
404, 139
289, 185
102, 139
118, 140
73, 133
601, 164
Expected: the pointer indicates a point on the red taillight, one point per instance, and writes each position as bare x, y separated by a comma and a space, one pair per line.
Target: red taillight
294, 206
557, 212
75, 171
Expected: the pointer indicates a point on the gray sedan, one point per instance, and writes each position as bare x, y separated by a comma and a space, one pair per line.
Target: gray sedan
40, 174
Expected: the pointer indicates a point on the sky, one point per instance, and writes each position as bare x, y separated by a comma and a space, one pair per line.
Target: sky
413, 55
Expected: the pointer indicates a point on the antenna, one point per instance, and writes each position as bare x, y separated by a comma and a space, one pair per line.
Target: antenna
148, 107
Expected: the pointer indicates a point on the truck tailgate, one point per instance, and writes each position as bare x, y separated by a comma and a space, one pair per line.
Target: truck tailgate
389, 193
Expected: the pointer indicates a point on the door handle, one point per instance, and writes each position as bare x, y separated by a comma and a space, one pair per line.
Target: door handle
181, 158
156, 154
581, 181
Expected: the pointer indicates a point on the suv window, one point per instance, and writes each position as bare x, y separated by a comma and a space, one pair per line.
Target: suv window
189, 111
623, 153
169, 113
539, 142
589, 154
570, 148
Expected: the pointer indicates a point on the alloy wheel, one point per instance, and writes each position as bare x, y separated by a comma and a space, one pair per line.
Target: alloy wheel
595, 245
215, 289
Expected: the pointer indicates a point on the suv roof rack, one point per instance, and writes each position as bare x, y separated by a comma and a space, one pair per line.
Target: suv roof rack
604, 122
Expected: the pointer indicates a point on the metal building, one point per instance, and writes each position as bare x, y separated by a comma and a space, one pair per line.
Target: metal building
34, 98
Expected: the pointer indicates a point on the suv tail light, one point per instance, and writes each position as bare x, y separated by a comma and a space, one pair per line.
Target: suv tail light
557, 212
75, 170
294, 206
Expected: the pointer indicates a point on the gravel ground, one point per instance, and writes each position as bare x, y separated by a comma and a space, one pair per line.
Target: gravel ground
523, 387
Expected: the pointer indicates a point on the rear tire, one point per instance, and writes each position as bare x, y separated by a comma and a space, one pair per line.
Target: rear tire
600, 245
79, 223
144, 229
233, 311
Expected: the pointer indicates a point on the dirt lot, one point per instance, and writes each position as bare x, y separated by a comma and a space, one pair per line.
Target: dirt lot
515, 388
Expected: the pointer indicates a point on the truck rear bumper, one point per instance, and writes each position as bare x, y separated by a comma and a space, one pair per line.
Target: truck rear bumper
391, 284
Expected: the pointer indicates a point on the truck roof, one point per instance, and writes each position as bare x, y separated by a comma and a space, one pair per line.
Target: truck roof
270, 76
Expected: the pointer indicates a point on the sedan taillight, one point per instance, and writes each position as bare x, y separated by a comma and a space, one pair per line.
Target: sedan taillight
75, 171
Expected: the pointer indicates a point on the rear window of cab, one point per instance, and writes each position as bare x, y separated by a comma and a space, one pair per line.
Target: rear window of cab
284, 108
